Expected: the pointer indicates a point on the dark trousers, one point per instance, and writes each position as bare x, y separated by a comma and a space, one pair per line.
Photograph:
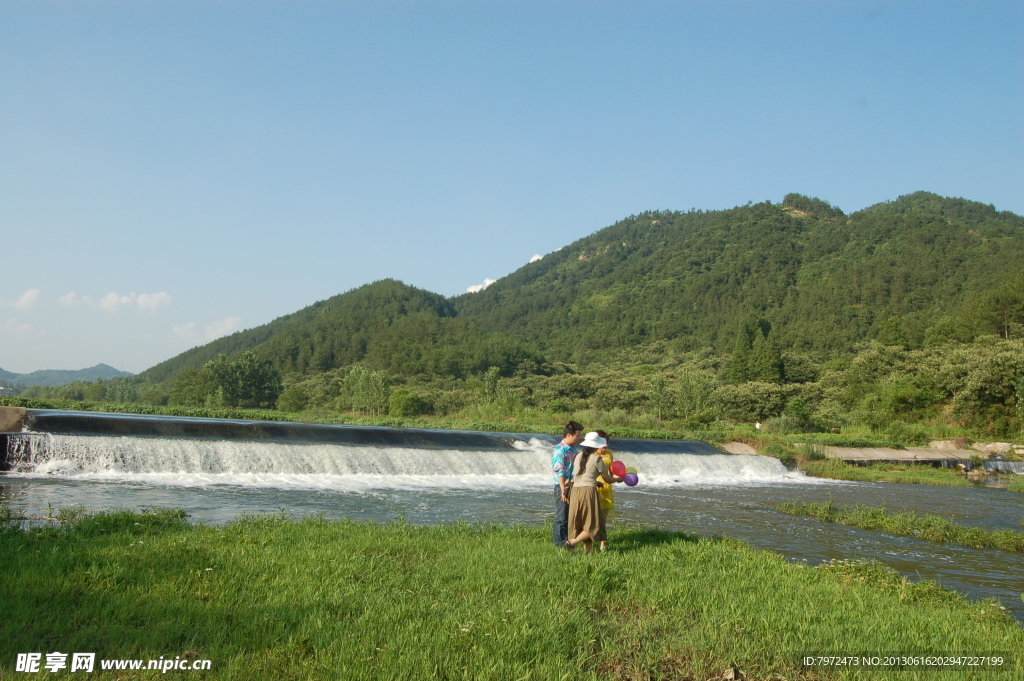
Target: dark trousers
560, 532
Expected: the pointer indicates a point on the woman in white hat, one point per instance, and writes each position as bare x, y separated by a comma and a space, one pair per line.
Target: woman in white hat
584, 506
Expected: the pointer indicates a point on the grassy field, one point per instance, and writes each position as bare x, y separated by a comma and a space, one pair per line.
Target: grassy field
1016, 484
270, 598
921, 474
908, 523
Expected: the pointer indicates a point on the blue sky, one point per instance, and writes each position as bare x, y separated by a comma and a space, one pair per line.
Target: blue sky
173, 171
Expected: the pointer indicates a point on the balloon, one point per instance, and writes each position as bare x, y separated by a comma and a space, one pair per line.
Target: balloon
618, 469
631, 479
631, 470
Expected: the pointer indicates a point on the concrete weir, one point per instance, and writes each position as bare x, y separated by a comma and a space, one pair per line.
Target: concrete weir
80, 423
866, 455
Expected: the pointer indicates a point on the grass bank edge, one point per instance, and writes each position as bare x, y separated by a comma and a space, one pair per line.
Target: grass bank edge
390, 600
929, 527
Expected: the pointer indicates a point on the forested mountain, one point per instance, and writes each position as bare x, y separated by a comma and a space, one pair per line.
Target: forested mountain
55, 377
823, 280
391, 326
922, 269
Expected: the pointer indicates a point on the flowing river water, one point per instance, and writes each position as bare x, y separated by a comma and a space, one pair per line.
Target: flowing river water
384, 474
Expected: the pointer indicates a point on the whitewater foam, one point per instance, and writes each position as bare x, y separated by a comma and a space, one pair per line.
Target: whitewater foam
246, 463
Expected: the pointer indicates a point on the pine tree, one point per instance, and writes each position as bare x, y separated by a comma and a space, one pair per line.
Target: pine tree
765, 360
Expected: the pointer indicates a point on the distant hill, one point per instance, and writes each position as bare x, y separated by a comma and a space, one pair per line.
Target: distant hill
55, 377
393, 326
920, 267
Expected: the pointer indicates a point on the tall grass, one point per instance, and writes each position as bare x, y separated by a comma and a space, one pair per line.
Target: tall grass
271, 598
928, 527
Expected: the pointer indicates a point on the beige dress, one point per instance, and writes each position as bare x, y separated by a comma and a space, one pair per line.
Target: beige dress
584, 506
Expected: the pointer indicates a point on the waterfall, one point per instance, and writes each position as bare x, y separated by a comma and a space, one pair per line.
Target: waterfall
257, 463
1005, 466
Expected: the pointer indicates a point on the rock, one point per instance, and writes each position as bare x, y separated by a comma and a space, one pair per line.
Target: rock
959, 443
733, 673
12, 419
990, 448
737, 448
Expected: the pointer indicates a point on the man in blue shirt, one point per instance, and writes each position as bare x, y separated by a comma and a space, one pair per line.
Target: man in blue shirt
561, 468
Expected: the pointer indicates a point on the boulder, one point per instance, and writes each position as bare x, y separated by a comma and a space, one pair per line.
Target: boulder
992, 448
12, 419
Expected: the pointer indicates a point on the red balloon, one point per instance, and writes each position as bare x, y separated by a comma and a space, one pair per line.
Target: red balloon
618, 469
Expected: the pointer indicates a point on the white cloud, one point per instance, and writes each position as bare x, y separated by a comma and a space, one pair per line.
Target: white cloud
69, 300
115, 302
112, 302
212, 331
480, 287
12, 326
536, 257
186, 330
223, 327
151, 302
27, 300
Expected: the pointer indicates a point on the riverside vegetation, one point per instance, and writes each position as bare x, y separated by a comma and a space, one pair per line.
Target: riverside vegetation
276, 598
908, 523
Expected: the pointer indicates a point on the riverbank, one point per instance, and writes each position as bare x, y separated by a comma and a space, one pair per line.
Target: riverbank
271, 598
915, 474
928, 527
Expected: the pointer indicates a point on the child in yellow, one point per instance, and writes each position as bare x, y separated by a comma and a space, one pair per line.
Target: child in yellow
605, 496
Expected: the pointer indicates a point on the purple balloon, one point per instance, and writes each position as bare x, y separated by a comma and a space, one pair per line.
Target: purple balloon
631, 479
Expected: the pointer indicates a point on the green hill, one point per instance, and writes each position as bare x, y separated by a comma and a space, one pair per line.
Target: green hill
55, 377
918, 268
387, 324
823, 280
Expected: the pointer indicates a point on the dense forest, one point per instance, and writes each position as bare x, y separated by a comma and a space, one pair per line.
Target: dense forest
906, 313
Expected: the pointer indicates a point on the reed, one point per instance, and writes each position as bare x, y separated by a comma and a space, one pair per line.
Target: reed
276, 598
928, 527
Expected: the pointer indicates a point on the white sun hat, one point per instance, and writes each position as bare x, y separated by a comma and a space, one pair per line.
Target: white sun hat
594, 441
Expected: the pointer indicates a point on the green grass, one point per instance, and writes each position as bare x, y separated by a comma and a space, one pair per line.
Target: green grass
928, 527
270, 598
1016, 484
921, 474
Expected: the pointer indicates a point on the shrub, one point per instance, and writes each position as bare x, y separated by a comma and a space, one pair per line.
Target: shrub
294, 399
405, 403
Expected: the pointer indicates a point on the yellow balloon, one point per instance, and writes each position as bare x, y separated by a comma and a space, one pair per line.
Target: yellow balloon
631, 470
